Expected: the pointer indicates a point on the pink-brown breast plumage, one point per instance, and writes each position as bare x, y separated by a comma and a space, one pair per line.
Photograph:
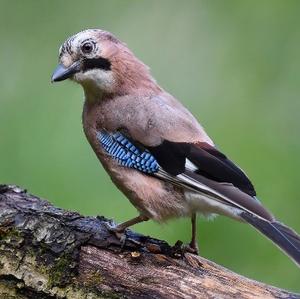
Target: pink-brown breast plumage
152, 197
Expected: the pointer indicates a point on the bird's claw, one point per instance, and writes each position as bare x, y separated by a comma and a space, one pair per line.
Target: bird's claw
191, 248
180, 249
120, 234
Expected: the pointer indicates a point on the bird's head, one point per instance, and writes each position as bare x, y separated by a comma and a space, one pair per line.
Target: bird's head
101, 63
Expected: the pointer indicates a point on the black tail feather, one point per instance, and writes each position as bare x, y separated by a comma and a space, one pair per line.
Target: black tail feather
284, 237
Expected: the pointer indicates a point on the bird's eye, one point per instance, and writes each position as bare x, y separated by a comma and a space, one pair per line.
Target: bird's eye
87, 48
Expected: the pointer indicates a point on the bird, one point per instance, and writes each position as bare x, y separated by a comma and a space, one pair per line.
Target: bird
153, 148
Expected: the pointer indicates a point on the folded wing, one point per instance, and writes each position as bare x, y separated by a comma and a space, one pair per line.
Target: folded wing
191, 166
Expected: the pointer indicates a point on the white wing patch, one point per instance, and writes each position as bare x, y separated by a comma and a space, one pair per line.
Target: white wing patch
190, 166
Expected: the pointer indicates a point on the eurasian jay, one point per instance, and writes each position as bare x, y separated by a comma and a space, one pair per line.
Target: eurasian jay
153, 148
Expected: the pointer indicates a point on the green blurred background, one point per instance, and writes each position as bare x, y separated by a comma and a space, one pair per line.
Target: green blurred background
235, 64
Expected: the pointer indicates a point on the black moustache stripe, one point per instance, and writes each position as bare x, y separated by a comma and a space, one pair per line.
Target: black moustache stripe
96, 63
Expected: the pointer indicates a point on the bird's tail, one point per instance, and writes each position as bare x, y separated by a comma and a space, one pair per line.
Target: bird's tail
284, 237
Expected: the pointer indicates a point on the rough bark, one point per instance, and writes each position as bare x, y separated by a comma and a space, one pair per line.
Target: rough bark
47, 252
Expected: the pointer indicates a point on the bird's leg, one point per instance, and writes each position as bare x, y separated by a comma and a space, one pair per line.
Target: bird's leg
119, 229
194, 243
122, 226
192, 247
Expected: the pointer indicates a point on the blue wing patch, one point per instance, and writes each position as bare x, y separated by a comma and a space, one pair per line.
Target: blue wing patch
126, 153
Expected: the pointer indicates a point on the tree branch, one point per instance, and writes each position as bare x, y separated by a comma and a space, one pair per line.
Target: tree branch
47, 252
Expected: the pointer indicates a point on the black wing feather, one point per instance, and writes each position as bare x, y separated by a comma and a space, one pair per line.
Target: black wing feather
216, 166
210, 162
171, 156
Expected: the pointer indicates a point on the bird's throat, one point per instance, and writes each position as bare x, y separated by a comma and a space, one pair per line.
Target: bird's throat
92, 93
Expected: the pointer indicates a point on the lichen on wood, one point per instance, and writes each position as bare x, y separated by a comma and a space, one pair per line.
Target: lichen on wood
47, 252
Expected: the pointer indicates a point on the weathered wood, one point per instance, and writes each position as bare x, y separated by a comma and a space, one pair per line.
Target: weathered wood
47, 252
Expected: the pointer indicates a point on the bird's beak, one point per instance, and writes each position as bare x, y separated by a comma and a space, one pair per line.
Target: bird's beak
62, 73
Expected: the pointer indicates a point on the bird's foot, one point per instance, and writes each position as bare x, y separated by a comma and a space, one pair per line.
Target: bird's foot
191, 248
179, 249
124, 235
119, 233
